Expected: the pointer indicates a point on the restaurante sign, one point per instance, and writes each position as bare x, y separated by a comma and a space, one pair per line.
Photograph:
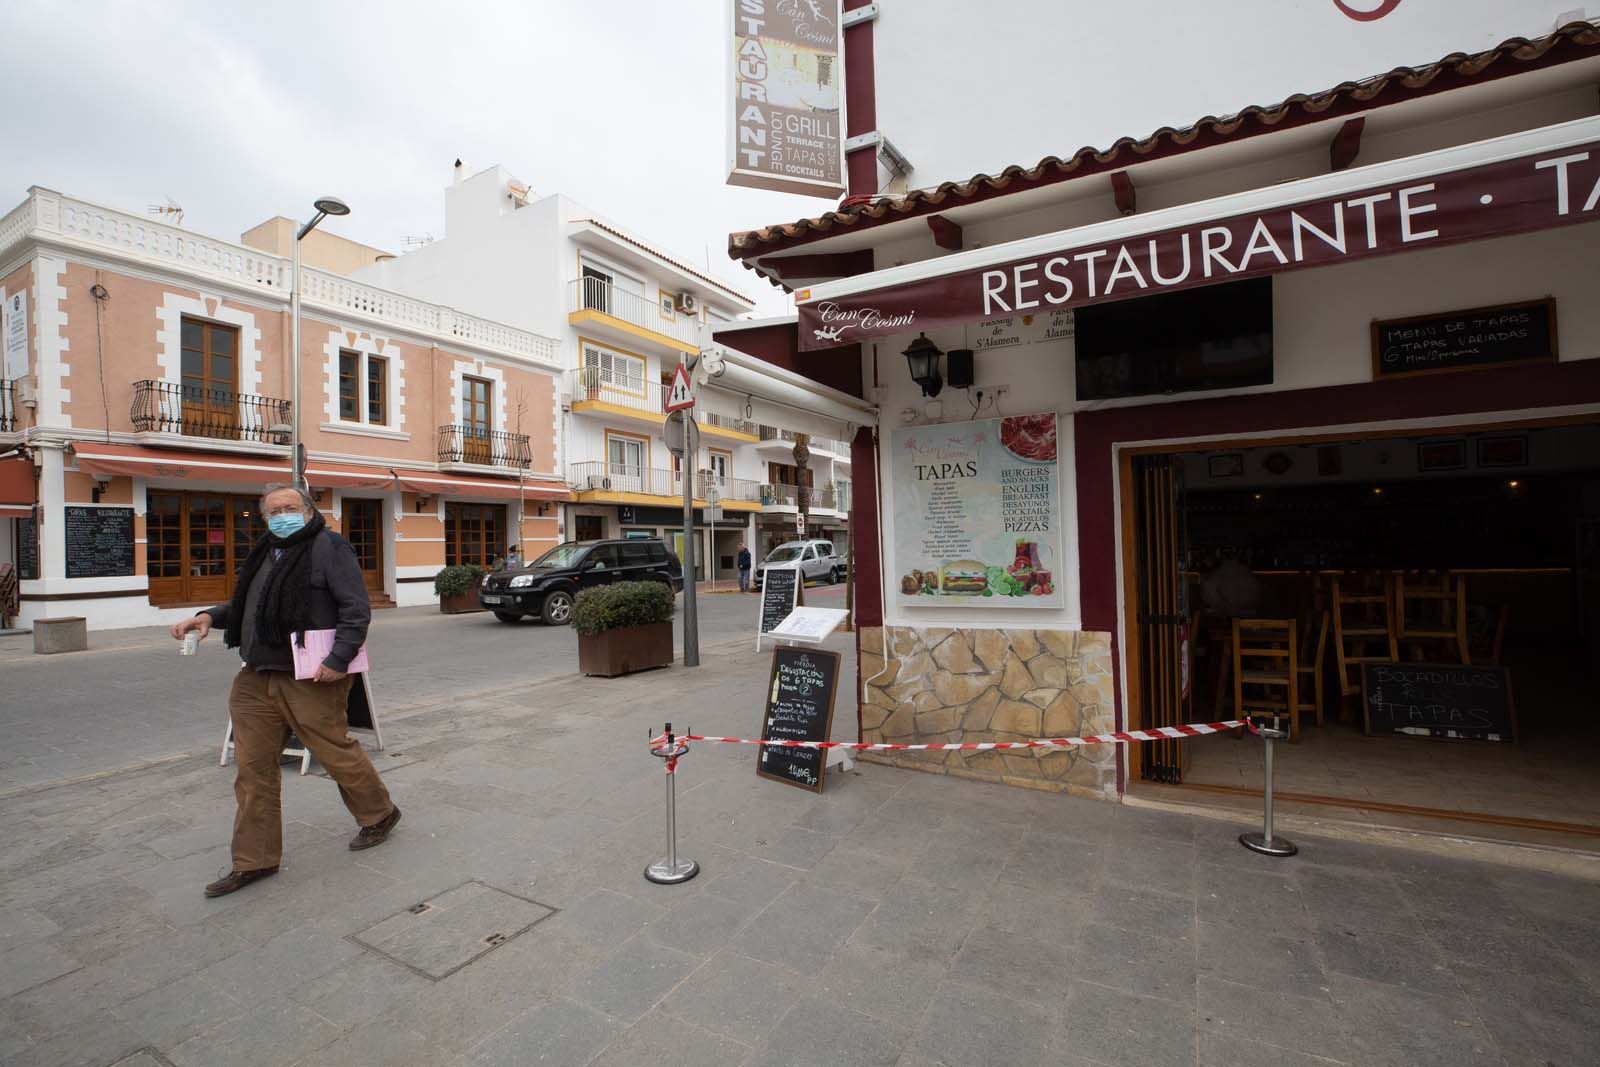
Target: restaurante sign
1533, 192
785, 122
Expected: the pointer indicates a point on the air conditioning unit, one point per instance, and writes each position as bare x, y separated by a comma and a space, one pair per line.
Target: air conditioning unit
599, 481
566, 401
688, 303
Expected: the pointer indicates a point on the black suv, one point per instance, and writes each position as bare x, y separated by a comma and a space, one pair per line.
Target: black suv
546, 586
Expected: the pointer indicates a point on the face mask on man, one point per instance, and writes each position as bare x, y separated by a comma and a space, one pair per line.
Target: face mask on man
286, 525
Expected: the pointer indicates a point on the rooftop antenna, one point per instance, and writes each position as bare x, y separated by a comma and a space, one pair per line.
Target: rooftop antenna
416, 240
171, 210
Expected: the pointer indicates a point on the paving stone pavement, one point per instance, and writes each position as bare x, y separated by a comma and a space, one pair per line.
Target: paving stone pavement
898, 918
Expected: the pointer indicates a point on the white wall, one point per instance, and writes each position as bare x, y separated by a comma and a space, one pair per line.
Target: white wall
1077, 74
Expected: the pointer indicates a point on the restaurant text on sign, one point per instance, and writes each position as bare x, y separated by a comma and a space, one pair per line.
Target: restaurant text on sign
1528, 193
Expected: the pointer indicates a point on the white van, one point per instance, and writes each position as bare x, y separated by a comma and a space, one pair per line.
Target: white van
816, 559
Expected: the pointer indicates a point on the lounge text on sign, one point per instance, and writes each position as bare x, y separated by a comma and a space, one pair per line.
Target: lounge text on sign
1531, 192
786, 124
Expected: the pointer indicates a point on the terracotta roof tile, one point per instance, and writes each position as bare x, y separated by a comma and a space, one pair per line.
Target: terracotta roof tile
1576, 40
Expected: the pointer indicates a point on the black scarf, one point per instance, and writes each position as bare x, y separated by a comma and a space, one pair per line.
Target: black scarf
285, 605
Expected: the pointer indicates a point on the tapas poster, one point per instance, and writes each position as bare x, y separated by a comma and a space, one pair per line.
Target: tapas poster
977, 509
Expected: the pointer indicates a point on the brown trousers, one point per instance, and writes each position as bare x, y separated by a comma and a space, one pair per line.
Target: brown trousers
265, 706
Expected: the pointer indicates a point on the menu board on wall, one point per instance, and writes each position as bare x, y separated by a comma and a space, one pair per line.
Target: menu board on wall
977, 508
1465, 340
99, 542
27, 541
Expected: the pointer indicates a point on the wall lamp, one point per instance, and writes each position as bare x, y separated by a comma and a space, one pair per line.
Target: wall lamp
923, 359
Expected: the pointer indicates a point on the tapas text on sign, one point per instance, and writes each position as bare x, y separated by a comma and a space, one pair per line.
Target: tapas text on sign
1465, 340
99, 541
1444, 700
799, 707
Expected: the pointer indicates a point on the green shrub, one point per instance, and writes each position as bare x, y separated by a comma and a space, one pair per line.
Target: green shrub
612, 607
462, 578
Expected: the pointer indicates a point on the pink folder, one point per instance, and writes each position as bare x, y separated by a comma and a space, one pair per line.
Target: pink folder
318, 644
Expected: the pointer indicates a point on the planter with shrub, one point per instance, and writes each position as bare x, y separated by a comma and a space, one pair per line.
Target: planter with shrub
623, 628
457, 588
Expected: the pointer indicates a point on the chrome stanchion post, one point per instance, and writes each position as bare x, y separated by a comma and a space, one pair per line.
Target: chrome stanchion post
1264, 842
672, 870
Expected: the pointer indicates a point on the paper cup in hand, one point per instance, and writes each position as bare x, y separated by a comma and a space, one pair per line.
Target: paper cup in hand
191, 643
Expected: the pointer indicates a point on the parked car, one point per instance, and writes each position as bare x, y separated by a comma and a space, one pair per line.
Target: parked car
546, 587
816, 559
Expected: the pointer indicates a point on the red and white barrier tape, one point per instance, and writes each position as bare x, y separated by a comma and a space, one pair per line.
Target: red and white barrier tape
1120, 737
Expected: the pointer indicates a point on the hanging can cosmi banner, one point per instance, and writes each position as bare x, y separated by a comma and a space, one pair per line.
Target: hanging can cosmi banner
786, 120
977, 508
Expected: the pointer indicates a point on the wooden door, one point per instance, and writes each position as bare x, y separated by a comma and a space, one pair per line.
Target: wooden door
476, 395
210, 380
363, 528
210, 579
1160, 619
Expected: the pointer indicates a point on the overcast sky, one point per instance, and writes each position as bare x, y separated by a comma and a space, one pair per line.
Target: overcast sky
244, 111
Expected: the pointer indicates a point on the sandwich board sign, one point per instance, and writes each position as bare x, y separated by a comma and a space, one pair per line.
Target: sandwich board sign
780, 595
681, 396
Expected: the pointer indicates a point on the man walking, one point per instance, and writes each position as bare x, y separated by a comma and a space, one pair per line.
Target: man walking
300, 576
744, 568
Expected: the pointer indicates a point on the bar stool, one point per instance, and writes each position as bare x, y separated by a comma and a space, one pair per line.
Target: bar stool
1314, 668
1265, 658
1371, 621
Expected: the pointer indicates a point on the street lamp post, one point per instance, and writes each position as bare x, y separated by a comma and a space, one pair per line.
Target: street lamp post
325, 205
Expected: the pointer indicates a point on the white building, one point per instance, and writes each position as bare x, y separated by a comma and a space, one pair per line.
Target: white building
625, 313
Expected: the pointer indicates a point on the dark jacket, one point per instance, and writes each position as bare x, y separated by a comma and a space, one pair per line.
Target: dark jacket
744, 559
339, 602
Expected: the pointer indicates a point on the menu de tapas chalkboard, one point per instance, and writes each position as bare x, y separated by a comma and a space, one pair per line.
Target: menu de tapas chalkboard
799, 707
1463, 340
99, 542
1445, 700
780, 594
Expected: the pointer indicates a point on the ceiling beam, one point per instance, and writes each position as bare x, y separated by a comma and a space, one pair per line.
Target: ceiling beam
1346, 144
1122, 189
946, 234
818, 265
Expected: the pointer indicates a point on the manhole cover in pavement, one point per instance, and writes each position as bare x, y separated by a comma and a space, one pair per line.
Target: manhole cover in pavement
439, 936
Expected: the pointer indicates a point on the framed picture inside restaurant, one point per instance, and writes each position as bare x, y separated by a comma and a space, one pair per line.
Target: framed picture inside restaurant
1448, 455
1507, 450
1227, 465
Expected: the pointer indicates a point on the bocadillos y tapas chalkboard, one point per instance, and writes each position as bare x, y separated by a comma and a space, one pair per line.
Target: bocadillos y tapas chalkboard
799, 707
1443, 700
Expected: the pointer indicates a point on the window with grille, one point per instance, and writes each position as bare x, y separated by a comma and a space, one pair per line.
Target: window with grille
604, 367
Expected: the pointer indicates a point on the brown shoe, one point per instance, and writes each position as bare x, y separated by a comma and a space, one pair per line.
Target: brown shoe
236, 880
376, 834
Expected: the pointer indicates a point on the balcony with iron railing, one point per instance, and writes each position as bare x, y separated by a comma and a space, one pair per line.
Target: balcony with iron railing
592, 387
212, 414
599, 476
786, 498
472, 446
595, 300
726, 426
8, 406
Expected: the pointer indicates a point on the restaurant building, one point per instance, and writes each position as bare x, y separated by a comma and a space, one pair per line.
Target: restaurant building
146, 401
1295, 410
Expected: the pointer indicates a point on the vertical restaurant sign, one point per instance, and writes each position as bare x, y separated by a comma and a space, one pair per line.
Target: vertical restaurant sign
977, 509
1538, 191
786, 122
16, 334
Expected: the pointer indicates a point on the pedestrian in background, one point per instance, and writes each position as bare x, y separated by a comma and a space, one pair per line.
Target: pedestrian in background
513, 558
744, 568
299, 576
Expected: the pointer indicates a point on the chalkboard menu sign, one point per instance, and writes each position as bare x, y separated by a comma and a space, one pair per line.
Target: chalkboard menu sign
1464, 340
1438, 700
799, 708
780, 592
99, 542
27, 549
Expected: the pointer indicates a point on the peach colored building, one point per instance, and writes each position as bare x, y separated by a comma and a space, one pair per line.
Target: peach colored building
146, 383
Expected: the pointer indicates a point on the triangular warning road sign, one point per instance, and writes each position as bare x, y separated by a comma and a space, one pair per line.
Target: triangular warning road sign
681, 395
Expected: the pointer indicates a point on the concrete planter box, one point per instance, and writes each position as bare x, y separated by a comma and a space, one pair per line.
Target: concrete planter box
461, 603
71, 634
625, 650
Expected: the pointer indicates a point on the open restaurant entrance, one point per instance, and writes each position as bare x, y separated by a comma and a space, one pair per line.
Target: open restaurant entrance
1422, 606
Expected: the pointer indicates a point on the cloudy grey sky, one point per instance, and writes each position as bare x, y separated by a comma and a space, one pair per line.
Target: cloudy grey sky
244, 111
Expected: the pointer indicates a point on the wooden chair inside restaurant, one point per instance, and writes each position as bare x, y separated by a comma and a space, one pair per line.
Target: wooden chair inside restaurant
1363, 626
1317, 640
1266, 670
1431, 612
